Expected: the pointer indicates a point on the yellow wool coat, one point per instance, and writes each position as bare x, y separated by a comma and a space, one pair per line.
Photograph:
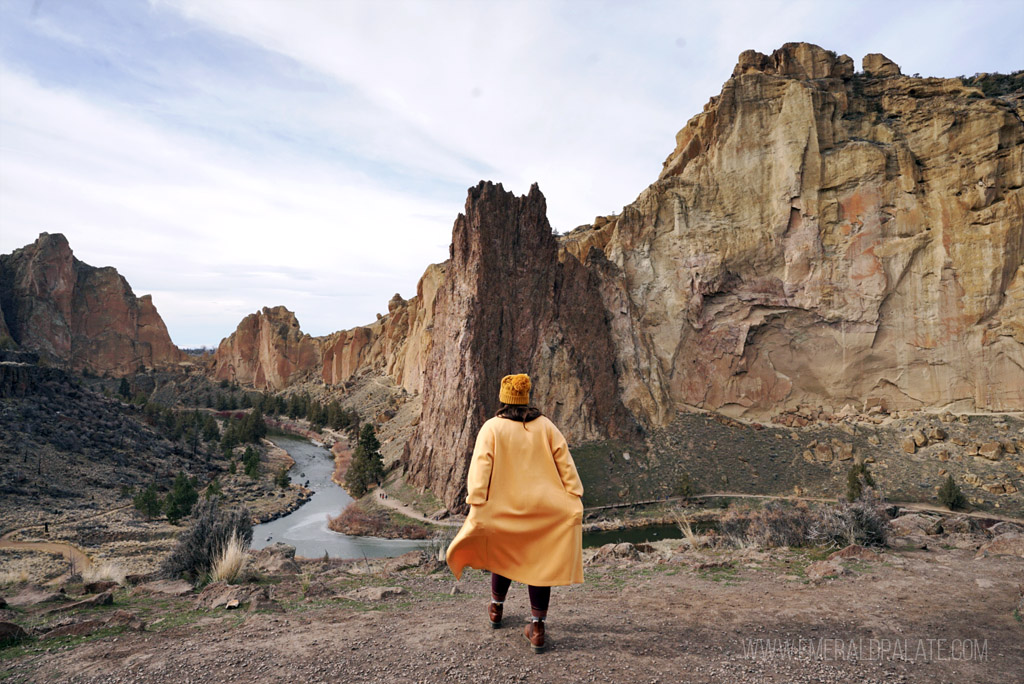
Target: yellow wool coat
526, 517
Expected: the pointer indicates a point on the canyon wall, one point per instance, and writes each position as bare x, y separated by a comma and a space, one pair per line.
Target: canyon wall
75, 315
825, 237
817, 236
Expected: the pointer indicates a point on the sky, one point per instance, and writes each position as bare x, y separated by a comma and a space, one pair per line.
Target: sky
226, 155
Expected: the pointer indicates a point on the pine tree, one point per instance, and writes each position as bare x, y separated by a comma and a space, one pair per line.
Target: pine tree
124, 389
251, 462
181, 499
148, 501
857, 478
950, 494
282, 479
367, 466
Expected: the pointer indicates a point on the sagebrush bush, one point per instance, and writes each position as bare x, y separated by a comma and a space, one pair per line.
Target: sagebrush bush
209, 531
779, 525
863, 522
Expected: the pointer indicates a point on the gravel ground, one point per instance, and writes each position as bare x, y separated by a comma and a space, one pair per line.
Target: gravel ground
936, 615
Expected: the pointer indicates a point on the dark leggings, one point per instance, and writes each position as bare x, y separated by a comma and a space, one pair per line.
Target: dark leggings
539, 596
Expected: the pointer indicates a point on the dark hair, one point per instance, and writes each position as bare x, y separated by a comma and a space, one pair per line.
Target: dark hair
519, 412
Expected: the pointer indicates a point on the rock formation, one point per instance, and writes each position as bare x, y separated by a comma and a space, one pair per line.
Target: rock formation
824, 237
75, 315
267, 351
509, 306
818, 237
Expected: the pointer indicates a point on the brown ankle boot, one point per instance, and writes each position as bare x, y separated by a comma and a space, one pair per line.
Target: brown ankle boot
494, 613
535, 634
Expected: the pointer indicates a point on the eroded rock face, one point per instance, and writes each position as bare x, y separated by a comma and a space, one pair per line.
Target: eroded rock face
76, 315
268, 350
509, 305
826, 238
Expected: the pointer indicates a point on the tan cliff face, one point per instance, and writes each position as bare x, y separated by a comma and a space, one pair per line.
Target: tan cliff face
267, 351
824, 237
76, 315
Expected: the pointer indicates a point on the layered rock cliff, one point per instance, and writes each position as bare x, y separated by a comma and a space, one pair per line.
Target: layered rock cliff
79, 316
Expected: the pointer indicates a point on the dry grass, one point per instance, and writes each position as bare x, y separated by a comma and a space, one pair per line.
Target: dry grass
104, 572
687, 529
14, 577
229, 562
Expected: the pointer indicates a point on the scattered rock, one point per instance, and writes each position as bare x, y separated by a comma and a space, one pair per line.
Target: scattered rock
278, 558
1008, 544
33, 595
937, 434
104, 599
825, 568
916, 523
855, 551
823, 453
374, 593
920, 439
74, 629
908, 445
220, 593
318, 589
413, 559
991, 450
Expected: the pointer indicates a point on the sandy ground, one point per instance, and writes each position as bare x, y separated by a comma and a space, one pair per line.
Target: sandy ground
936, 615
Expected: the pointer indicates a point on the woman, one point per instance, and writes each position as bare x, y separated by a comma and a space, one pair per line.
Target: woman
526, 519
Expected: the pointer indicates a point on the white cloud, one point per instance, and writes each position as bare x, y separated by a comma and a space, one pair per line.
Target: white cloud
217, 236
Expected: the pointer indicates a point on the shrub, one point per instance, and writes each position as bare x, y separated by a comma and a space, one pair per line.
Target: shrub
111, 572
779, 525
863, 522
950, 495
683, 486
208, 533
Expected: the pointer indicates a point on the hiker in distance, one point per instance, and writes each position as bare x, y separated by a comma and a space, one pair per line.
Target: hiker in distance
526, 518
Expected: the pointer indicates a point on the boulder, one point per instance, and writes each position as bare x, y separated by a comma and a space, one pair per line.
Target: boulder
105, 598
413, 559
99, 587
1008, 544
936, 434
909, 445
920, 439
277, 558
32, 595
374, 593
124, 618
991, 451
81, 628
221, 594
916, 523
825, 568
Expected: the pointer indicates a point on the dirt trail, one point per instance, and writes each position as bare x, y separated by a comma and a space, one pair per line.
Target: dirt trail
71, 553
406, 509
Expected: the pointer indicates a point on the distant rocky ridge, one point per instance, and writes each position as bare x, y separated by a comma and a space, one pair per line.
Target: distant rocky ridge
817, 237
78, 316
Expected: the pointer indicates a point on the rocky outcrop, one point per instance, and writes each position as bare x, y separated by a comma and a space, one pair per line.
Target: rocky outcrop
824, 237
79, 316
268, 350
509, 305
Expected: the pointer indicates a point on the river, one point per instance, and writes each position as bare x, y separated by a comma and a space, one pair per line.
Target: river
305, 528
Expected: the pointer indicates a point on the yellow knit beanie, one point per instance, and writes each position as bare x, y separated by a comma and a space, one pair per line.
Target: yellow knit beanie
515, 389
